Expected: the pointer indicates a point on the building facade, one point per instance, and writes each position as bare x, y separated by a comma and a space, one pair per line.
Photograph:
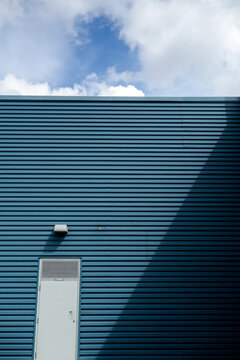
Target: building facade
149, 189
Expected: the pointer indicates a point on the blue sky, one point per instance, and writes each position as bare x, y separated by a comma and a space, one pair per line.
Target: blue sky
101, 49
123, 48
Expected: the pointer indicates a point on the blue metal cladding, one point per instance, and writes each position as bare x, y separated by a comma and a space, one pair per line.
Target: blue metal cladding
150, 190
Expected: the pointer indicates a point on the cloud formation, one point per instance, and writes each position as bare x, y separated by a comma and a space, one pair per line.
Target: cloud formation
184, 47
91, 86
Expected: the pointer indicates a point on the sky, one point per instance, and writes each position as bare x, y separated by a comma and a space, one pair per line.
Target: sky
120, 47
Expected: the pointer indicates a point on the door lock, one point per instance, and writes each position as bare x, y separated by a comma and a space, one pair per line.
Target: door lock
71, 315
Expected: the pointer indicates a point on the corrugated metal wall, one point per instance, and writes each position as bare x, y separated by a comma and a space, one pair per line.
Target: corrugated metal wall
150, 191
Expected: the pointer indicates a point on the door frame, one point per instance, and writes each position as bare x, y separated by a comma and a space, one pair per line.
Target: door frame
35, 333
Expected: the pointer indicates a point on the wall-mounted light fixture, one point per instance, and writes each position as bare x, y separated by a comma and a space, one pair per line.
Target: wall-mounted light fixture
61, 229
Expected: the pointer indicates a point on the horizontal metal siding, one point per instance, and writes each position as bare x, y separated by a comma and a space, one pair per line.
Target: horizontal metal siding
150, 190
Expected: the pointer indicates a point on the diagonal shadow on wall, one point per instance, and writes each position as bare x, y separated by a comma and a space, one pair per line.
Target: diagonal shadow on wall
192, 310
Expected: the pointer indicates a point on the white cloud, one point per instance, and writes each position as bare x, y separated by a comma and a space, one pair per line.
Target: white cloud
184, 47
124, 76
33, 45
102, 88
121, 90
91, 86
11, 85
11, 12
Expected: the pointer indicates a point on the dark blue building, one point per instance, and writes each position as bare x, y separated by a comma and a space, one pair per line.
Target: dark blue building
149, 189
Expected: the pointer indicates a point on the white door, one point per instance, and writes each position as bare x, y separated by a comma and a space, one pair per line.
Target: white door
57, 314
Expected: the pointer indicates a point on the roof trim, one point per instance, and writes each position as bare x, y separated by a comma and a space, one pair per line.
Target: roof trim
117, 98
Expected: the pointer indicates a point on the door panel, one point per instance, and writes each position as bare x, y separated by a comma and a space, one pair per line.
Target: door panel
57, 315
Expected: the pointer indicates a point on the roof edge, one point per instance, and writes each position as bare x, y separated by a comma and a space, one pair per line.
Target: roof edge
119, 98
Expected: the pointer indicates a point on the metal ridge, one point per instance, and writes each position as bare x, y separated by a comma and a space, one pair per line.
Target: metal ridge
118, 98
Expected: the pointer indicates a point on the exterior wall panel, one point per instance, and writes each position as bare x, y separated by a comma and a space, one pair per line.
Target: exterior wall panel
150, 191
